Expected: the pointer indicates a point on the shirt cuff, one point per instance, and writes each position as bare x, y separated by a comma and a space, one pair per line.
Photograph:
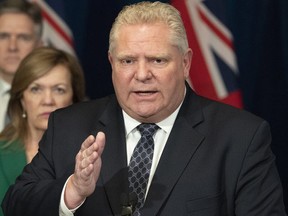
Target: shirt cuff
63, 209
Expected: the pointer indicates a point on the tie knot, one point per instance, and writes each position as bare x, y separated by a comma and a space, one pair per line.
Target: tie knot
147, 129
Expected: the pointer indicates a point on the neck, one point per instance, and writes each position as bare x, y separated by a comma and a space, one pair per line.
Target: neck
6, 77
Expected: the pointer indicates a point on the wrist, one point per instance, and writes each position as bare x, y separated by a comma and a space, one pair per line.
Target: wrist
72, 197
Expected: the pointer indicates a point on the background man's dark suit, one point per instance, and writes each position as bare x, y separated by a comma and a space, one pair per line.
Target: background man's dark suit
217, 158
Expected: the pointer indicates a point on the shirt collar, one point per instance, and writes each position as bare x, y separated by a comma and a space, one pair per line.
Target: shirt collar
166, 124
4, 87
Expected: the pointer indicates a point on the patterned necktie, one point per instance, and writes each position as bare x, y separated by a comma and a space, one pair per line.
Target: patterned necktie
140, 164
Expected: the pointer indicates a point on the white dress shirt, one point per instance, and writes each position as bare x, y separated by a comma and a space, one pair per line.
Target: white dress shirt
160, 139
4, 99
132, 138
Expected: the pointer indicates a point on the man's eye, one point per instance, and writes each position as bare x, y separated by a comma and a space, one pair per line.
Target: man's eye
4, 36
159, 61
126, 61
25, 37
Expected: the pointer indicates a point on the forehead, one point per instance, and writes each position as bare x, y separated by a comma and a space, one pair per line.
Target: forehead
57, 75
143, 34
12, 21
147, 39
148, 29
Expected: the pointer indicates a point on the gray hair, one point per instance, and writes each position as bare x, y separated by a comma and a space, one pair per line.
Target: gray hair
151, 12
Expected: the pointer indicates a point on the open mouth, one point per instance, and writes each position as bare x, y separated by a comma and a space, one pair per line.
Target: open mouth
145, 92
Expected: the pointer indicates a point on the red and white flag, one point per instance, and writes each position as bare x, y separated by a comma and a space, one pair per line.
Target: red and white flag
56, 32
214, 69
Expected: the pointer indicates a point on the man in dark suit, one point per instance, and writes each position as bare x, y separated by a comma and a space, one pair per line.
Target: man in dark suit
209, 158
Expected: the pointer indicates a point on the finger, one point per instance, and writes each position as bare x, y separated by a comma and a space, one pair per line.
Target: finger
88, 160
87, 142
85, 173
97, 146
91, 150
81, 155
100, 140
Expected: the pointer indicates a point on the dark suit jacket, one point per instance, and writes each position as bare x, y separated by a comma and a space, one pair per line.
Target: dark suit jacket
216, 162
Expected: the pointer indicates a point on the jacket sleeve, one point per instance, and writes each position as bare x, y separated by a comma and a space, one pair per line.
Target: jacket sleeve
36, 191
259, 189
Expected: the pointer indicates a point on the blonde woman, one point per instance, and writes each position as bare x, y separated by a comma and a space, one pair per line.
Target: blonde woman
47, 79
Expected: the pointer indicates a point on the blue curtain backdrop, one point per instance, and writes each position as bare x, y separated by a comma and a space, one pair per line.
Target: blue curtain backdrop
260, 29
261, 39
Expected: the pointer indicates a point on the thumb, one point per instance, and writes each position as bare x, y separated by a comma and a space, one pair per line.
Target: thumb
100, 139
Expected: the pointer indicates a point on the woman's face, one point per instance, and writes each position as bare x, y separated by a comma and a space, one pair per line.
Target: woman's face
46, 94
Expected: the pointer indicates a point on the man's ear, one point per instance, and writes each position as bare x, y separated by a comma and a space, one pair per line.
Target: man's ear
187, 62
110, 57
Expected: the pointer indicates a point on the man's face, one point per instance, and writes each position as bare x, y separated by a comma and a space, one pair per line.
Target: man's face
17, 39
149, 72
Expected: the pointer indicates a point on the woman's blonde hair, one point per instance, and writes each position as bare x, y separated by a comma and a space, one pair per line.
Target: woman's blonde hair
35, 65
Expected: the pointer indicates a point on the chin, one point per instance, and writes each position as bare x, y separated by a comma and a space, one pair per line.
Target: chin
43, 125
145, 113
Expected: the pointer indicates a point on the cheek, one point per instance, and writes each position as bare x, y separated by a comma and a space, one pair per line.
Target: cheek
29, 103
32, 111
26, 49
64, 101
121, 82
172, 87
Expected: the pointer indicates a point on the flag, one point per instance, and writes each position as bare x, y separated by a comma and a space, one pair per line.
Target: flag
214, 69
56, 32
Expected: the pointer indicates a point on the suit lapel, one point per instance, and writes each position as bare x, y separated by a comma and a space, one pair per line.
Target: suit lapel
114, 162
180, 148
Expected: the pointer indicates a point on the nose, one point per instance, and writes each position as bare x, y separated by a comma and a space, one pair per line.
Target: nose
143, 71
13, 44
48, 98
